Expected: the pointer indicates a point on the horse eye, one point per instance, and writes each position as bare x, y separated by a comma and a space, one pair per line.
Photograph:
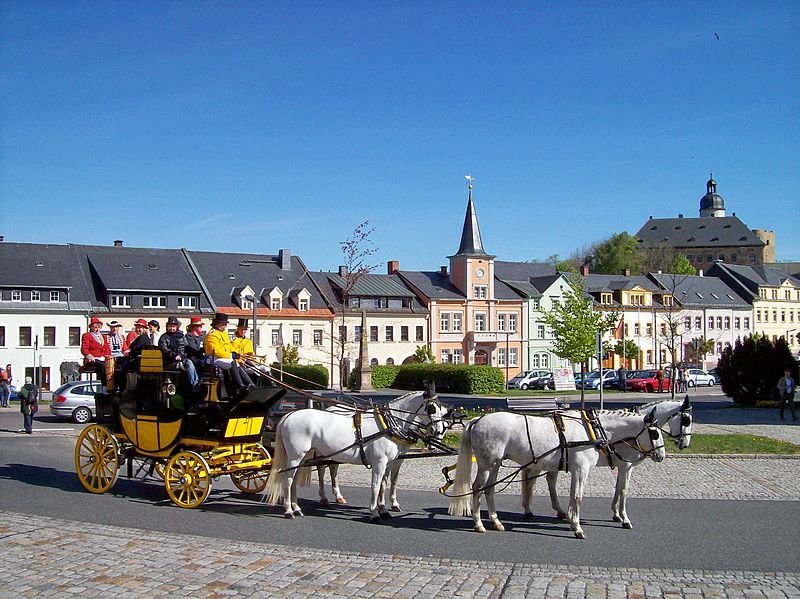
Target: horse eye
653, 434
430, 409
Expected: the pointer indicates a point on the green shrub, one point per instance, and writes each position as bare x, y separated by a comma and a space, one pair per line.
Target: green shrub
749, 371
452, 378
312, 376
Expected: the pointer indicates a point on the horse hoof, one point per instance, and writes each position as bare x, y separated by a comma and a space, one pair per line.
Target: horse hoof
480, 529
627, 525
528, 516
298, 513
341, 501
324, 502
396, 508
289, 516
499, 526
580, 534
616, 519
562, 516
385, 515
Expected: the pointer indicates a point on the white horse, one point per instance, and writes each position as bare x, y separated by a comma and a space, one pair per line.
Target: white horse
389, 478
385, 434
534, 443
675, 415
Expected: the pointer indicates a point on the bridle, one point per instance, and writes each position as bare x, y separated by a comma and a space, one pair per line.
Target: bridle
686, 423
653, 431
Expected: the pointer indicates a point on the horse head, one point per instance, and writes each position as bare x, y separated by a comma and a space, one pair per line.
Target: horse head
436, 415
651, 440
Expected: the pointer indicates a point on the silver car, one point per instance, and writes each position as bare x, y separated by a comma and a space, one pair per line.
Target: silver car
75, 401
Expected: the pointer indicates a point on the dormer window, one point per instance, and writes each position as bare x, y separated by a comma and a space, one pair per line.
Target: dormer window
653, 228
667, 300
715, 239
302, 299
303, 305
606, 299
54, 296
36, 296
275, 299
16, 296
247, 303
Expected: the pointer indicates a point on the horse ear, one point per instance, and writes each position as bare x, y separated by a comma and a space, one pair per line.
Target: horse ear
651, 417
685, 405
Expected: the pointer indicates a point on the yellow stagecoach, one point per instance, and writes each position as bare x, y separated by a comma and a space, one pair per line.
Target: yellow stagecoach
188, 437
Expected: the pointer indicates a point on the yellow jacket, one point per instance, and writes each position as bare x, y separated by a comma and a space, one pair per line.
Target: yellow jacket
218, 344
243, 346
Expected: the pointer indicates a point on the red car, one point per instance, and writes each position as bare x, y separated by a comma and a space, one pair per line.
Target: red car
645, 380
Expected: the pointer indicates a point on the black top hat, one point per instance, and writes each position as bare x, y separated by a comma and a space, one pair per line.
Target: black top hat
221, 317
154, 323
173, 320
243, 323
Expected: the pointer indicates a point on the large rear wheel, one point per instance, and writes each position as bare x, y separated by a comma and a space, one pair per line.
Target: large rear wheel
97, 458
252, 481
188, 479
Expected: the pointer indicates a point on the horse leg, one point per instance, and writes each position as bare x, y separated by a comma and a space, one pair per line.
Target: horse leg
618, 507
579, 476
477, 489
378, 472
334, 470
528, 482
394, 473
323, 499
295, 508
552, 479
490, 497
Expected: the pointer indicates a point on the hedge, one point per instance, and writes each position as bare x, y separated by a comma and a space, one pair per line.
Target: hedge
453, 378
313, 376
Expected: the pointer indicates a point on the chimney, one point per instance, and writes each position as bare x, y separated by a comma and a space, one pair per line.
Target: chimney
285, 259
680, 215
2, 238
734, 214
584, 271
342, 271
443, 271
117, 243
626, 272
650, 217
392, 266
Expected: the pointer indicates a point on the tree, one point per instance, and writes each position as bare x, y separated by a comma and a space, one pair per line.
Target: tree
749, 371
672, 322
627, 350
698, 348
424, 354
575, 326
682, 266
290, 356
616, 254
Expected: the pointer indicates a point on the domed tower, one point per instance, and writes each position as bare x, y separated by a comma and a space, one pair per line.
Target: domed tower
712, 203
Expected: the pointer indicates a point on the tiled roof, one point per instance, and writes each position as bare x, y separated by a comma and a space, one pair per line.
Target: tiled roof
699, 232
432, 284
522, 271
693, 290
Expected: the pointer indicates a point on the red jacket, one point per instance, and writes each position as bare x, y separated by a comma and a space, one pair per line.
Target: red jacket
90, 346
130, 337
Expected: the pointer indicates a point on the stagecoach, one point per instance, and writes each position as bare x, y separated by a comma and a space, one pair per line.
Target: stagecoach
157, 424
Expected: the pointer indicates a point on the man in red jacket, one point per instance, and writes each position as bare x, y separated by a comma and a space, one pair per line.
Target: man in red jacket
139, 328
94, 347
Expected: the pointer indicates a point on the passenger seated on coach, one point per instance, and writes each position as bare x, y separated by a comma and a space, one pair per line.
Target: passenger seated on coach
244, 347
173, 345
218, 346
195, 337
95, 349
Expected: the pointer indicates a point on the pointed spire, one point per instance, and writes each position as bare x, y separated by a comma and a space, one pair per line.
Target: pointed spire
471, 234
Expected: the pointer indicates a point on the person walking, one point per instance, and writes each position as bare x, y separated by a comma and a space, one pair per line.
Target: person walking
5, 385
622, 374
660, 379
28, 403
786, 386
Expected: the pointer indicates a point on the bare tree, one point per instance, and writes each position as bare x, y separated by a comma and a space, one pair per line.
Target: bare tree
671, 319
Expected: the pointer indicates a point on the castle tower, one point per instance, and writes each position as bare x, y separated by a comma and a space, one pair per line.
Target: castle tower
712, 203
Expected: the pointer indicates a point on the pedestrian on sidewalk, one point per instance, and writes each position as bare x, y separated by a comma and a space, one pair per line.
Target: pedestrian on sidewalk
786, 391
28, 403
5, 385
660, 379
622, 375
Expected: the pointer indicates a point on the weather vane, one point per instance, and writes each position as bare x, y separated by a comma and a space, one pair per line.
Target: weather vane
469, 179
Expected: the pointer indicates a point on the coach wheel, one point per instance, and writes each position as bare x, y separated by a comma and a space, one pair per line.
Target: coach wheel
252, 481
188, 479
97, 458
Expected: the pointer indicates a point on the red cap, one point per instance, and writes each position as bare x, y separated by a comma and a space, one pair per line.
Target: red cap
141, 322
195, 321
95, 320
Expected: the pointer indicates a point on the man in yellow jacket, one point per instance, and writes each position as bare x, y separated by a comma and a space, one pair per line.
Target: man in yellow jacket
218, 345
241, 344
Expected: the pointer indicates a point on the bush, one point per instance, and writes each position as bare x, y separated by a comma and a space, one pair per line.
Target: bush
312, 376
383, 377
749, 371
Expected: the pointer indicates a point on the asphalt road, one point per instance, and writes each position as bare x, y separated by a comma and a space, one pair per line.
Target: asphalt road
37, 477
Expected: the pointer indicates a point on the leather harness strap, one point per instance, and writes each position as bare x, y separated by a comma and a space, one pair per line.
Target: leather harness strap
597, 433
359, 437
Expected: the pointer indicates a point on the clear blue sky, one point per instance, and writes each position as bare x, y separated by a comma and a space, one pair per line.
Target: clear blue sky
255, 126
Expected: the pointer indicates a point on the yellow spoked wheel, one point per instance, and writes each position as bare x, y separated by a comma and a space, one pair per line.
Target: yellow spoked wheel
188, 479
97, 458
252, 481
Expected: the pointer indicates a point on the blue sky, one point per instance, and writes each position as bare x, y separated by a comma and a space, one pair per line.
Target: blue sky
244, 126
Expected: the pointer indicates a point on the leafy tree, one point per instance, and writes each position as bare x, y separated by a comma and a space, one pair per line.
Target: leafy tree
749, 371
424, 354
575, 326
616, 254
682, 266
290, 355
704, 347
628, 349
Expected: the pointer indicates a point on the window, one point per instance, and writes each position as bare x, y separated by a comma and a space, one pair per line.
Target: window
687, 323
354, 302
373, 333
699, 257
791, 315
774, 294
49, 336
420, 334
637, 299
663, 355
403, 333
698, 322
626, 332
722, 257
501, 322
649, 356
649, 329
16, 296
501, 356
719, 323
276, 337
535, 360
545, 361
734, 257
317, 337
719, 347
540, 331
444, 322
36, 296
303, 305
554, 303
297, 337
357, 333
512, 356
159, 301
535, 303
746, 322
390, 361
667, 300
737, 323
389, 333
458, 356
752, 257
663, 329
25, 337
187, 302
787, 294
727, 323
774, 316
710, 323
480, 291
445, 356
783, 315
2, 337
374, 362
710, 258
637, 328
275, 303
120, 301
606, 299
480, 321
758, 315
54, 296
456, 322
512, 323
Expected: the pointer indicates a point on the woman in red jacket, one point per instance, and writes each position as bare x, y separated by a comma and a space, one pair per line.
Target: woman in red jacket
95, 348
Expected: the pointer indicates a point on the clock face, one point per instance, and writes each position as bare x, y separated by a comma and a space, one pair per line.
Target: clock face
479, 273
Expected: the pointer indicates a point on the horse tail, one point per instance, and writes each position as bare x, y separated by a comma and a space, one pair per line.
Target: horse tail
304, 474
277, 478
461, 501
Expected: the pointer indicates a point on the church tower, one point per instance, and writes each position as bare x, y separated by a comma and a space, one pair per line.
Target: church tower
712, 203
471, 268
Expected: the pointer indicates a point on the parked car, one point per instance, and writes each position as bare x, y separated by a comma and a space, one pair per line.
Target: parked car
75, 401
713, 372
544, 382
645, 380
525, 379
696, 377
593, 379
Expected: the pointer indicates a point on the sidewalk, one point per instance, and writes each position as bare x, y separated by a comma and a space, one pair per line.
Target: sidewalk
57, 558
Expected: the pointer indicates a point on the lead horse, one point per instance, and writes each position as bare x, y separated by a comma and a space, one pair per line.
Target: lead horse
375, 438
673, 417
563, 440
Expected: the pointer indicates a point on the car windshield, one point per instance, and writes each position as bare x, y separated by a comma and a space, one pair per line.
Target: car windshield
519, 377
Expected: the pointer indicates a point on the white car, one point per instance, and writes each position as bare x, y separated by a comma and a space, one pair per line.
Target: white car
696, 377
525, 379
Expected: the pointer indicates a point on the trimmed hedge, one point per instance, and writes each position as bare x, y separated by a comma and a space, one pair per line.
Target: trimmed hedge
454, 378
312, 376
